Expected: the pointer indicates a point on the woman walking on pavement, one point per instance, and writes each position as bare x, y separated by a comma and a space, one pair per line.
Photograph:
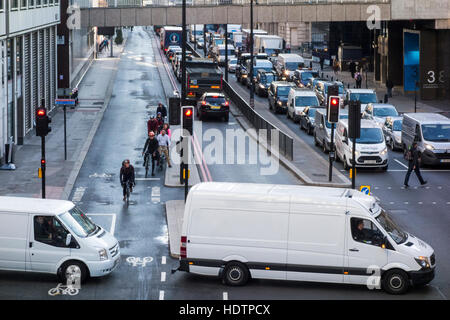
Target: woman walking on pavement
413, 157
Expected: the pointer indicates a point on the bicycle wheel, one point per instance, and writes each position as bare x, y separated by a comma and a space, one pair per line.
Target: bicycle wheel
128, 194
146, 167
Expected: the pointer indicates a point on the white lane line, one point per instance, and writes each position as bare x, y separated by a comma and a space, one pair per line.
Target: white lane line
433, 202
225, 296
147, 179
113, 220
401, 163
389, 188
78, 194
161, 295
156, 195
426, 170
163, 260
420, 202
406, 202
439, 291
392, 202
163, 276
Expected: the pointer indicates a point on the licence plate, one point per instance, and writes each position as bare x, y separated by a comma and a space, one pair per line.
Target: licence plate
215, 107
445, 160
370, 161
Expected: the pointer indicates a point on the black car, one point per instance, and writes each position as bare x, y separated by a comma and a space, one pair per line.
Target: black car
278, 95
263, 80
213, 104
241, 71
307, 119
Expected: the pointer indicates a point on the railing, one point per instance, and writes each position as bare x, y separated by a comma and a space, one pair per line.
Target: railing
177, 3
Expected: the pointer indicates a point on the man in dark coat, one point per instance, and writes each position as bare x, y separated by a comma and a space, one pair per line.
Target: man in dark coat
389, 86
413, 157
161, 108
352, 68
126, 176
151, 149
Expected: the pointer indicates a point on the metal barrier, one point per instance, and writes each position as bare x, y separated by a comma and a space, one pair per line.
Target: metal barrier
271, 133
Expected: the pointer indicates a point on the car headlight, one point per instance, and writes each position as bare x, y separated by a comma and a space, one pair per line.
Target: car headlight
423, 261
279, 103
429, 147
384, 151
244, 76
103, 254
261, 85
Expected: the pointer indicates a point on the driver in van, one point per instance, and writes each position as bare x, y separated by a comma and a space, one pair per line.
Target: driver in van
42, 229
358, 231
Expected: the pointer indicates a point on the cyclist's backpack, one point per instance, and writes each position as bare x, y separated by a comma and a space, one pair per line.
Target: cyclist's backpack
408, 155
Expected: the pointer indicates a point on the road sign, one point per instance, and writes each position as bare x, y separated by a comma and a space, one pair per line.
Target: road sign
365, 189
65, 102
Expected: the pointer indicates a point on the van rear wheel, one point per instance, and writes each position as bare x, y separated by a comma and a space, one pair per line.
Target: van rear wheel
235, 274
395, 282
72, 268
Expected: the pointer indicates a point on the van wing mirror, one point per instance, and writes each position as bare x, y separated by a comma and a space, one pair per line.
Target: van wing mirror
68, 239
384, 242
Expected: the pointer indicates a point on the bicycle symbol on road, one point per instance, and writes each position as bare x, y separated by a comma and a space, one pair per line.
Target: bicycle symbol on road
63, 290
138, 261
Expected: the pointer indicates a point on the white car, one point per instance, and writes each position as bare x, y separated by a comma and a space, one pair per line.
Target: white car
232, 63
365, 96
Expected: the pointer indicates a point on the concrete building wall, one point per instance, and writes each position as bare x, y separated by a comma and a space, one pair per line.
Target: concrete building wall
295, 33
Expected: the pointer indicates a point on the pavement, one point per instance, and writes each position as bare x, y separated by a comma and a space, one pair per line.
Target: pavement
174, 215
95, 91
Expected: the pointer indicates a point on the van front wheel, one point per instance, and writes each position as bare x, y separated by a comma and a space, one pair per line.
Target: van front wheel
235, 274
72, 269
395, 282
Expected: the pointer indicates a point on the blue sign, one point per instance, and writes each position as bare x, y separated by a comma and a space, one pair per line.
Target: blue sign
411, 60
174, 38
365, 189
65, 102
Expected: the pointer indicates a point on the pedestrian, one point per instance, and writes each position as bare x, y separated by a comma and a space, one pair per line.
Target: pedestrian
352, 68
288, 47
335, 66
166, 127
106, 43
164, 144
413, 157
389, 86
358, 79
322, 60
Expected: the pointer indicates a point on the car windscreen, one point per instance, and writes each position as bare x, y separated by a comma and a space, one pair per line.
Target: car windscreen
283, 90
230, 52
397, 125
306, 75
436, 132
370, 136
255, 69
292, 65
78, 222
233, 61
384, 112
364, 97
306, 101
215, 100
341, 88
268, 78
389, 225
219, 41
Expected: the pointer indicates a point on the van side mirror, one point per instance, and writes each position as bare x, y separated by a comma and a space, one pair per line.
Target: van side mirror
68, 239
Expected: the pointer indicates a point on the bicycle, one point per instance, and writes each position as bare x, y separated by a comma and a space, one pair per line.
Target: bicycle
127, 192
146, 161
63, 289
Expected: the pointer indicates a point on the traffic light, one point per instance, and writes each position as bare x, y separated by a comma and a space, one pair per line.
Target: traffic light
187, 119
333, 109
354, 119
42, 122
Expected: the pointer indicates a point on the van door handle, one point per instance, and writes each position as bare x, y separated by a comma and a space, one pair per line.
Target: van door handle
30, 244
354, 250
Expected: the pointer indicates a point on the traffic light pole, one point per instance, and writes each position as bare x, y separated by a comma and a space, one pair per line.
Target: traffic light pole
226, 52
43, 163
65, 133
183, 55
331, 154
250, 76
353, 163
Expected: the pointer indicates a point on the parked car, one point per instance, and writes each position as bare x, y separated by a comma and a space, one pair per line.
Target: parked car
298, 100
392, 130
54, 237
322, 129
378, 112
213, 104
263, 80
431, 131
307, 119
278, 95
300, 233
371, 150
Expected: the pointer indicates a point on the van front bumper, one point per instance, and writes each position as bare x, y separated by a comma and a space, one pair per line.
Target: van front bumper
102, 268
436, 158
421, 277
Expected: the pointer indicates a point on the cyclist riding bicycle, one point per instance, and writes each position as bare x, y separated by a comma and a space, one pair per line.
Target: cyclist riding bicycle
127, 177
152, 124
164, 144
160, 120
151, 148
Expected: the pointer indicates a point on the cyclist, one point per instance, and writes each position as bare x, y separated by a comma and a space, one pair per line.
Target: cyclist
127, 177
161, 108
151, 148
160, 120
152, 124
164, 144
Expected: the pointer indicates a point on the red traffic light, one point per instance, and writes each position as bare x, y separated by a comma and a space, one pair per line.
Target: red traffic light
42, 161
334, 102
41, 112
188, 112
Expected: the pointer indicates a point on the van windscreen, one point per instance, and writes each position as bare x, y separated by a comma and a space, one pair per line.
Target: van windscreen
370, 136
78, 222
436, 132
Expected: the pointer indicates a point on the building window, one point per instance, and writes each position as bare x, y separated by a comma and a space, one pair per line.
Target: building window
14, 4
38, 3
44, 2
50, 2
30, 3
23, 4
1, 5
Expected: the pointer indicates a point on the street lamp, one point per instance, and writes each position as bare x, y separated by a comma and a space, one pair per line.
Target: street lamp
252, 85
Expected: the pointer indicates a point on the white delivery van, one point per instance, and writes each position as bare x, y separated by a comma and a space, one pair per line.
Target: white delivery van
219, 53
298, 100
371, 150
53, 236
287, 63
239, 231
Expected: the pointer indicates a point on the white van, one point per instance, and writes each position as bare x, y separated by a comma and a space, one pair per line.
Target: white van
53, 236
298, 100
365, 96
239, 231
371, 150
287, 63
219, 53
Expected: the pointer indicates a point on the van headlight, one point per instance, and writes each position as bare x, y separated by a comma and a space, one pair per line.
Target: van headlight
423, 261
103, 254
280, 103
286, 73
429, 147
384, 151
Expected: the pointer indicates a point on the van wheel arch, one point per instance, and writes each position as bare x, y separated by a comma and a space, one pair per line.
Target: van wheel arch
390, 281
235, 273
85, 273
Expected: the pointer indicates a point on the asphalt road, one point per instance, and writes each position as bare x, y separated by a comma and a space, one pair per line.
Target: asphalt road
141, 228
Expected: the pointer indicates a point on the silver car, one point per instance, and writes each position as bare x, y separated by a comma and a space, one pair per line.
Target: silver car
392, 130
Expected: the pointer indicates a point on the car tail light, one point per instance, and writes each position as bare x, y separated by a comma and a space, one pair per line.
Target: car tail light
227, 103
183, 251
203, 103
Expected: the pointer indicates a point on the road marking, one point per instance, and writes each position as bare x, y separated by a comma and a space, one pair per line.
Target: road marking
434, 202
392, 202
225, 296
163, 260
406, 202
156, 194
78, 194
439, 187
161, 295
163, 276
420, 202
113, 220
389, 188
138, 261
103, 175
401, 163
147, 179
439, 291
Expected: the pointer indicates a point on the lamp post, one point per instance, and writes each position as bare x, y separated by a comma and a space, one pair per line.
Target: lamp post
183, 55
252, 84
